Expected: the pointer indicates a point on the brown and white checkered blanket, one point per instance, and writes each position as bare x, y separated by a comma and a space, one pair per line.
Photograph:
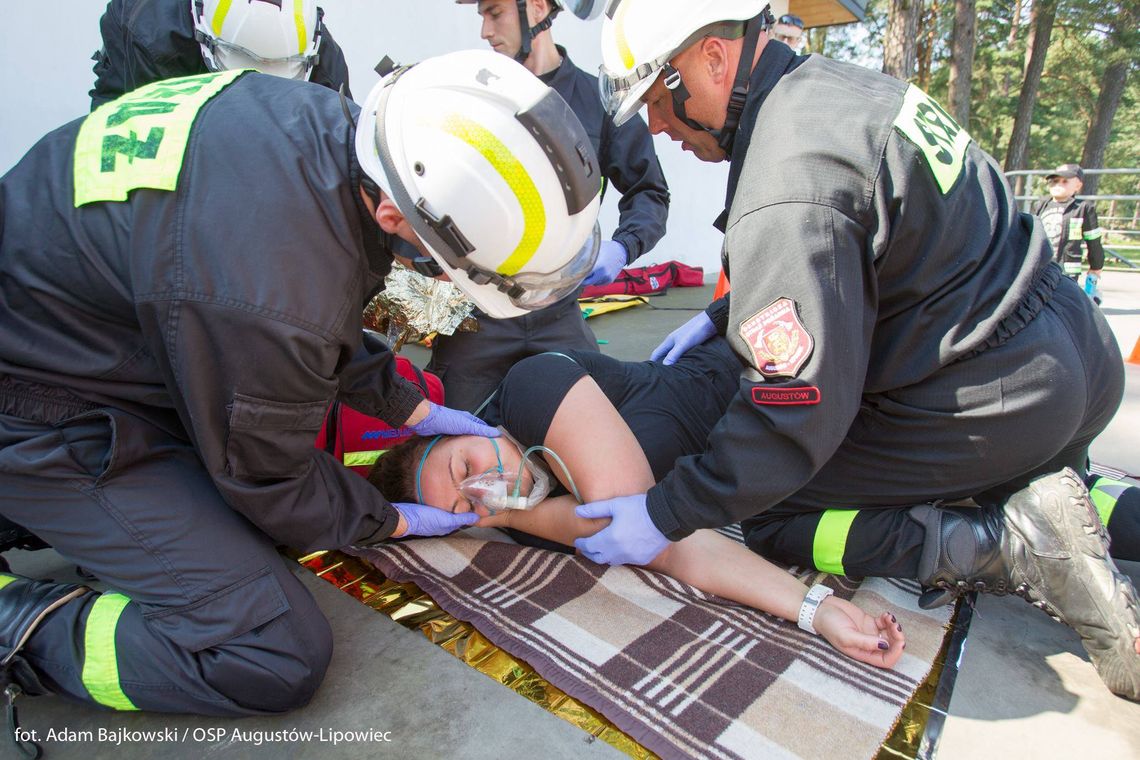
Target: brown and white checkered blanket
684, 673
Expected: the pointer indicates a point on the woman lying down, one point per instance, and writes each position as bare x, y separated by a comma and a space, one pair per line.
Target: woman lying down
608, 428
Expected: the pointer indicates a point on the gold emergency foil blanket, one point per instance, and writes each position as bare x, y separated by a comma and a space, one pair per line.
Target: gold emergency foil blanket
408, 605
412, 307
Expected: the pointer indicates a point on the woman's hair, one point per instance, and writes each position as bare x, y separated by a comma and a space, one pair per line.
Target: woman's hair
394, 473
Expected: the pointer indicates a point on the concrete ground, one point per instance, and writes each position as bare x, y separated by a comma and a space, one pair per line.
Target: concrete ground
1025, 687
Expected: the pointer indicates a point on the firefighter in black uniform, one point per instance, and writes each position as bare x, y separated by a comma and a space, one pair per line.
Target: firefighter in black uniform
1071, 226
908, 342
148, 40
472, 364
181, 299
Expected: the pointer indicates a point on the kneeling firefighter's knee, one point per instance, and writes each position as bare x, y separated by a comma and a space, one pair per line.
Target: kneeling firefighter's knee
274, 668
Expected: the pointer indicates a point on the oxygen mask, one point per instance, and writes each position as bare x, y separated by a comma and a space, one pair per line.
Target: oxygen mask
496, 489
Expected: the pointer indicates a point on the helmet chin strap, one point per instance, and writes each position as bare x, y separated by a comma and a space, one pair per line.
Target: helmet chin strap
528, 32
752, 30
679, 93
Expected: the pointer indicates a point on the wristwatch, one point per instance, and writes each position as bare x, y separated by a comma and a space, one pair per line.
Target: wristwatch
815, 596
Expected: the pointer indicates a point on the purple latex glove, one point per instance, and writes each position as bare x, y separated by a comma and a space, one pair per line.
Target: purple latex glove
423, 520
630, 539
693, 333
442, 420
612, 258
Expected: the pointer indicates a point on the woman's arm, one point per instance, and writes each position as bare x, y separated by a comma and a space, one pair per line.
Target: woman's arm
606, 461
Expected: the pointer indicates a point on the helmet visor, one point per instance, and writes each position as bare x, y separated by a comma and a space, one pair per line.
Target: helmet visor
230, 56
542, 290
621, 94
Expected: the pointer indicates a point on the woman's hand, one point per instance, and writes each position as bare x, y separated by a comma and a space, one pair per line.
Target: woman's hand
877, 641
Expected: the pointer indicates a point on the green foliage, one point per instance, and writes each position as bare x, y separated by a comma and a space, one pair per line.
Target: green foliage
1087, 36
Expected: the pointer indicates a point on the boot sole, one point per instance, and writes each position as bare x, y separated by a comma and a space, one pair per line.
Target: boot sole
1076, 522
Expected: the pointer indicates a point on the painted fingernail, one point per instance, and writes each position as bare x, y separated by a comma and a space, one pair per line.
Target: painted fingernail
884, 645
904, 645
894, 619
900, 627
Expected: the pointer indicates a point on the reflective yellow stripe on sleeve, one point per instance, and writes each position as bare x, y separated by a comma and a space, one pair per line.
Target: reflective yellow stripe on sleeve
362, 458
831, 539
100, 659
1094, 234
511, 170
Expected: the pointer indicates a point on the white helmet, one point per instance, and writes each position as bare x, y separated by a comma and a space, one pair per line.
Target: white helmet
583, 9
493, 171
278, 37
639, 37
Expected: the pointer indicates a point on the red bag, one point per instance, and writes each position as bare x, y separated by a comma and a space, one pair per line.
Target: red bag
644, 281
357, 439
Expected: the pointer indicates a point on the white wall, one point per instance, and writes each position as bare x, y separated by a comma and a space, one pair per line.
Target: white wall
45, 56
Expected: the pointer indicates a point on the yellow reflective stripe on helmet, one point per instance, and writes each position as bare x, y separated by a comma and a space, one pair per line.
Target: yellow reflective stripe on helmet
140, 139
518, 180
299, 20
624, 51
1094, 234
362, 458
831, 539
219, 19
6, 579
100, 661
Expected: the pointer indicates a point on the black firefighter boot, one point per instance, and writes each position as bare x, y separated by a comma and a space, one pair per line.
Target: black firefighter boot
1045, 544
24, 603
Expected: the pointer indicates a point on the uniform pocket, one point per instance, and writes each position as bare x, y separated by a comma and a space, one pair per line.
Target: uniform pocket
271, 439
251, 601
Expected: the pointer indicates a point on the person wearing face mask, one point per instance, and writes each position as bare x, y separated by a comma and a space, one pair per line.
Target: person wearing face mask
921, 383
148, 40
643, 415
471, 364
1072, 227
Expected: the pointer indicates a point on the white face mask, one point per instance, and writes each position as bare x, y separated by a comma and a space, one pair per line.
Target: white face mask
498, 490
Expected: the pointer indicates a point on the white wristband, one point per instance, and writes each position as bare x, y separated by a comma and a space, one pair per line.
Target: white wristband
815, 596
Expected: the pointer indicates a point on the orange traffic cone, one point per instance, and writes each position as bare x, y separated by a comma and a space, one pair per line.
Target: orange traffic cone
1135, 358
722, 286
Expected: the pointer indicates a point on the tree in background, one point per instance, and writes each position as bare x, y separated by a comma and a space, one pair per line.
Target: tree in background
1122, 41
900, 46
962, 45
1091, 43
1040, 31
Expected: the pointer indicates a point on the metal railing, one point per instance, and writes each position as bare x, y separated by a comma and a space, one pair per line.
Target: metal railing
1116, 228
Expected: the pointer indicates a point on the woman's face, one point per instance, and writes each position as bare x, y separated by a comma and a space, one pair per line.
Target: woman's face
456, 458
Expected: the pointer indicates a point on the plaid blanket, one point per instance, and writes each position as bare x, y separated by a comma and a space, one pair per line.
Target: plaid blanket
686, 674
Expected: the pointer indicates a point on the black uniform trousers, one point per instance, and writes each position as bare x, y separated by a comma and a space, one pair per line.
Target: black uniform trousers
471, 365
981, 428
205, 616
